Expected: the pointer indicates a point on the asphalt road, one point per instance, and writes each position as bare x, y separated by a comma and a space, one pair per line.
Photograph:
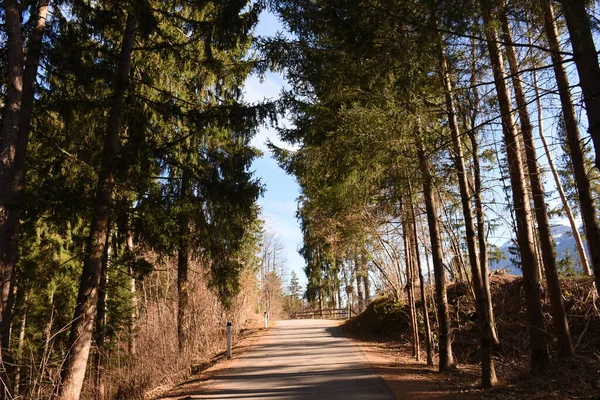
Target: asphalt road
298, 359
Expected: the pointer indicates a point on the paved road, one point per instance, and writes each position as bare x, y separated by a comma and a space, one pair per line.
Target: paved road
298, 359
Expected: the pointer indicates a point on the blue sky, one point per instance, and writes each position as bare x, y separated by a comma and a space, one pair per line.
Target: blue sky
279, 202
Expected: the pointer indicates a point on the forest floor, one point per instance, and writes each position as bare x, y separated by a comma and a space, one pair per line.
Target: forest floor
407, 378
382, 331
251, 335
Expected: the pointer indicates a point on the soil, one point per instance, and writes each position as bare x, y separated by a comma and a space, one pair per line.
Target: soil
382, 331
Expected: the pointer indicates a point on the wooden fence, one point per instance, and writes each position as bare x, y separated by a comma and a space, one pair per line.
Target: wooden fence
327, 313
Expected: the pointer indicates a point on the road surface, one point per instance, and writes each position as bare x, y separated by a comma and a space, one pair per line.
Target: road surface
297, 359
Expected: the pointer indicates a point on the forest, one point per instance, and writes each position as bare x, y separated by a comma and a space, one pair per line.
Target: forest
418, 130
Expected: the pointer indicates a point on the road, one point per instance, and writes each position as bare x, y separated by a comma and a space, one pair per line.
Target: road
297, 359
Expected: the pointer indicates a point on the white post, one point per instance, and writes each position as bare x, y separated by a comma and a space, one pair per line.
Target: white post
266, 320
229, 340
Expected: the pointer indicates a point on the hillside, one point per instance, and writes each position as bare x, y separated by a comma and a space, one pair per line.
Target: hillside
386, 320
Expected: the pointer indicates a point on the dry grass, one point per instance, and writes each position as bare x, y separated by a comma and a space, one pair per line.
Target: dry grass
157, 364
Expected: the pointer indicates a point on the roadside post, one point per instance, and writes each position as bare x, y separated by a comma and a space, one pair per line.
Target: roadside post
349, 289
266, 320
228, 339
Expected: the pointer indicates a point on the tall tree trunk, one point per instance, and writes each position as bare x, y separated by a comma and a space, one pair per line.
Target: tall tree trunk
412, 265
83, 319
488, 372
183, 255
559, 317
531, 278
446, 358
586, 61
100, 361
410, 287
559, 188
132, 287
8, 142
13, 147
479, 213
365, 277
358, 275
428, 340
588, 210
481, 234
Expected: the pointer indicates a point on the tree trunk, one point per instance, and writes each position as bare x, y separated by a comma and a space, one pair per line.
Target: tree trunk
410, 287
559, 317
585, 264
480, 217
100, 361
413, 300
8, 139
82, 326
13, 147
531, 278
428, 341
132, 288
588, 210
586, 61
365, 277
446, 360
183, 255
358, 275
488, 372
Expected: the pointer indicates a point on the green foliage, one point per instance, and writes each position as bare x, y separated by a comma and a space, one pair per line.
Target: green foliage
184, 121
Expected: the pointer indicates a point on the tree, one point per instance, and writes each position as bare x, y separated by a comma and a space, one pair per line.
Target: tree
559, 317
81, 328
574, 142
14, 138
295, 289
586, 61
484, 309
539, 347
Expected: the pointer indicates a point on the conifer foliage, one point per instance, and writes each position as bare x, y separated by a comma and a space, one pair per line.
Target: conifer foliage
125, 145
395, 106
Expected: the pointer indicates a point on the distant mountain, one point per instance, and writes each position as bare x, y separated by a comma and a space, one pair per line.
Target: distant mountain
563, 239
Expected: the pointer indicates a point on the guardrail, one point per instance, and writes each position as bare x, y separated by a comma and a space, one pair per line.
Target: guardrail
328, 313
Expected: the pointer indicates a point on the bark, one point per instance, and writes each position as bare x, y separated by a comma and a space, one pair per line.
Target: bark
588, 210
13, 146
412, 268
428, 341
183, 255
100, 361
365, 277
531, 278
359, 291
559, 317
586, 62
559, 188
488, 372
446, 360
80, 339
12, 109
480, 218
132, 289
408, 246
